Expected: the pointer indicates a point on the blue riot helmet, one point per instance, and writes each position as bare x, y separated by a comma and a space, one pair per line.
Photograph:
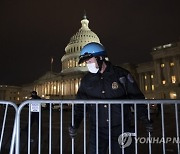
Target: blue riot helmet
90, 50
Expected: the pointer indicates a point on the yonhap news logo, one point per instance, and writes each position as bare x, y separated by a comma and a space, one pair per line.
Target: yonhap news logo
125, 140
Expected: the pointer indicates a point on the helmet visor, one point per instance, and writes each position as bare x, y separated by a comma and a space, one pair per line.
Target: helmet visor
84, 57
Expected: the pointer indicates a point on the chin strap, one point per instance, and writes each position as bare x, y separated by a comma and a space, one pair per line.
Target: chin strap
100, 61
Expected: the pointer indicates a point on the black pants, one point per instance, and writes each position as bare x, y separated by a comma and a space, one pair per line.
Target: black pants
34, 119
103, 143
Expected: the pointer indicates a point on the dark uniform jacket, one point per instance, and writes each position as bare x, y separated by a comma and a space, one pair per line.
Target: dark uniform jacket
35, 97
115, 83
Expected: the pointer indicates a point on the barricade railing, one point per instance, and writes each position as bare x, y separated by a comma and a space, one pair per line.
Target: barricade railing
5, 108
35, 106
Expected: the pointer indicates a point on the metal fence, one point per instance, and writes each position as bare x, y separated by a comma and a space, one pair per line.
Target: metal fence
5, 108
165, 135
163, 103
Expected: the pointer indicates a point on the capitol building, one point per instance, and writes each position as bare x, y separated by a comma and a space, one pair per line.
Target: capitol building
64, 85
157, 79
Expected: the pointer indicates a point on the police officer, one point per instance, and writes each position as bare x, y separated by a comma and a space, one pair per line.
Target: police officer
106, 81
34, 95
34, 115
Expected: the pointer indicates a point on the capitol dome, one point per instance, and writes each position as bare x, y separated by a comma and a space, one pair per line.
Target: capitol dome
77, 42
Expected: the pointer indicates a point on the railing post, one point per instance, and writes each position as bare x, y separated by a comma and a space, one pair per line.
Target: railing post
163, 132
50, 128
61, 127
149, 134
39, 143
109, 112
29, 129
122, 123
135, 123
84, 128
177, 127
4, 122
73, 126
97, 132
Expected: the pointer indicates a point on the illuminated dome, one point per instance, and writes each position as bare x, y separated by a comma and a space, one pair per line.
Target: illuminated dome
77, 42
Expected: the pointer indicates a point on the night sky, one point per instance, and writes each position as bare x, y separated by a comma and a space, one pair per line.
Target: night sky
33, 31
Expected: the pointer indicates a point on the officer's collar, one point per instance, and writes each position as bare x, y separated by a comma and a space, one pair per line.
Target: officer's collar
108, 67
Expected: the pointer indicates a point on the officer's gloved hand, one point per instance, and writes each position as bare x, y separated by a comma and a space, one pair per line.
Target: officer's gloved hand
72, 131
148, 124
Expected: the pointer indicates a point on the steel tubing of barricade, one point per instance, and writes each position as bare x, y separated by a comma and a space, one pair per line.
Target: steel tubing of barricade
39, 141
7, 104
96, 103
135, 125
28, 102
39, 132
122, 126
109, 116
84, 128
61, 127
122, 102
149, 134
29, 128
97, 129
3, 125
73, 126
163, 130
50, 128
177, 125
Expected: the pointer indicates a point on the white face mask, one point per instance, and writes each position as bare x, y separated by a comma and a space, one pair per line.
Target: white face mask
92, 68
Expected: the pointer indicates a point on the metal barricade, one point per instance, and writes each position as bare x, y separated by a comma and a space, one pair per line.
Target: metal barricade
63, 124
8, 112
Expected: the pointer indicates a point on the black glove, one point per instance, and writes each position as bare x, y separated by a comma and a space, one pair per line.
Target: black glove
148, 124
72, 131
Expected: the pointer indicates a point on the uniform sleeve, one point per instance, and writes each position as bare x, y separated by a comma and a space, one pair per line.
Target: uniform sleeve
134, 92
132, 88
79, 108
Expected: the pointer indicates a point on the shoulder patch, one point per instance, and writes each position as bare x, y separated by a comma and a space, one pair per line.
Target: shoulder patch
130, 78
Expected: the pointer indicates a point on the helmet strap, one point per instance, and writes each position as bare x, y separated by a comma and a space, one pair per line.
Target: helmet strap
100, 61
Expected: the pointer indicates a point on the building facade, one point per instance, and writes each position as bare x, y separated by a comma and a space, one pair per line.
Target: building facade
160, 79
10, 93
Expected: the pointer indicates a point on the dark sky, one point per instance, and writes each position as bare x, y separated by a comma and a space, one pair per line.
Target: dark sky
31, 31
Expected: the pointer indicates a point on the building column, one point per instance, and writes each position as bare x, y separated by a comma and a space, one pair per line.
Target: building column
141, 81
76, 85
72, 86
157, 72
148, 81
69, 87
43, 89
48, 91
57, 87
64, 87
53, 90
176, 68
40, 90
167, 72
